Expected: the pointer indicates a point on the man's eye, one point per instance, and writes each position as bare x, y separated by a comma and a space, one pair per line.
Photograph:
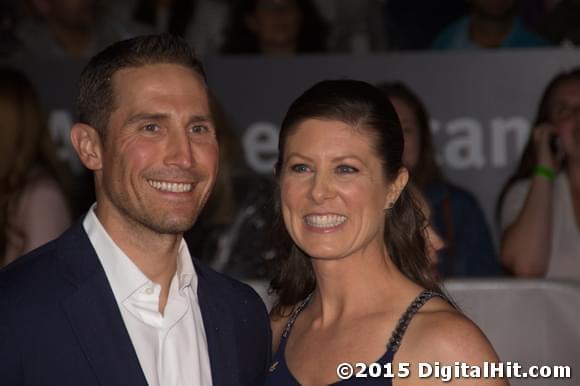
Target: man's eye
346, 169
299, 168
151, 128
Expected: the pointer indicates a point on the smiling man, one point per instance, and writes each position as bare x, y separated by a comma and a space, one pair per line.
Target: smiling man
118, 300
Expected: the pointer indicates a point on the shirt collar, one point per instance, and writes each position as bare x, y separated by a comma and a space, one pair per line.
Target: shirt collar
185, 271
124, 276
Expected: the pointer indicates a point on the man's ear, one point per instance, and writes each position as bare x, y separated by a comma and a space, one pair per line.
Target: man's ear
88, 146
396, 188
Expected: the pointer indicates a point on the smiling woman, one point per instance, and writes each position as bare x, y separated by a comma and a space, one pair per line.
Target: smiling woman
351, 274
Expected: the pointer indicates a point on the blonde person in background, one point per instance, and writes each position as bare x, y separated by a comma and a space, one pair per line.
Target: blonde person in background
33, 204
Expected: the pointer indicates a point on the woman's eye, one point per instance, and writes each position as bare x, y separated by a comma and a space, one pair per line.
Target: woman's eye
199, 129
299, 168
346, 169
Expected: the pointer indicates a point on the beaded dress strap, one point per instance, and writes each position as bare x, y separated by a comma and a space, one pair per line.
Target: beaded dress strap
403, 323
295, 314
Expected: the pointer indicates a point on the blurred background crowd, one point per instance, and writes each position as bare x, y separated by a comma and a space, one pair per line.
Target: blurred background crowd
78, 28
536, 233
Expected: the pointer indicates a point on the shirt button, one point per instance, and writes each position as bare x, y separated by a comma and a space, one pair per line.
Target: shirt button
149, 290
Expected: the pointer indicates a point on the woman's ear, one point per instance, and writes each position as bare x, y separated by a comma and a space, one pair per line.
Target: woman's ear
396, 188
88, 146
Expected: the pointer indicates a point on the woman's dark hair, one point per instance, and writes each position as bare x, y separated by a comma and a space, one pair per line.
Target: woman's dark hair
427, 170
528, 160
365, 108
241, 40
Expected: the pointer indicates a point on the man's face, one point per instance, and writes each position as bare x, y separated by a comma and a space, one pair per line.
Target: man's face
159, 161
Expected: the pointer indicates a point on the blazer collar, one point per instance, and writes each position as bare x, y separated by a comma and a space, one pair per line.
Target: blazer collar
98, 324
219, 327
94, 315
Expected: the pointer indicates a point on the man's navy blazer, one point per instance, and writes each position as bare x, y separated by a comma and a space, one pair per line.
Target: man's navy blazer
60, 323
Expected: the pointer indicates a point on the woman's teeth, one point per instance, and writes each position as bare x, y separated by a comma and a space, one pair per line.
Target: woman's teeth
324, 221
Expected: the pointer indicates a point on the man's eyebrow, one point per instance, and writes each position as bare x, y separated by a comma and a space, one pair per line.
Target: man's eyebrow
200, 119
146, 117
139, 117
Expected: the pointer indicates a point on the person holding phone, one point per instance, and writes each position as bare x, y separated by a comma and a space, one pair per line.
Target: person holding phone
539, 207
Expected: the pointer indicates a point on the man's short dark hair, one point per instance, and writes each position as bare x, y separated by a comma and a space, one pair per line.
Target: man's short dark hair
96, 99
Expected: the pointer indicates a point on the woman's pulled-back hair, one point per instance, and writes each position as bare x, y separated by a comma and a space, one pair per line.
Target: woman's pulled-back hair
364, 108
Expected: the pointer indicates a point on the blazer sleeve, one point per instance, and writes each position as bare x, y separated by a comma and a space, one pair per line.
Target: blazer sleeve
10, 357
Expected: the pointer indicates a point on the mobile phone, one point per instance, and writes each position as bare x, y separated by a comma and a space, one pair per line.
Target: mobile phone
554, 144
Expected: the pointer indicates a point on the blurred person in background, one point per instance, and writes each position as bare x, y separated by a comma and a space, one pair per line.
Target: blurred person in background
172, 16
456, 214
354, 26
230, 232
489, 24
539, 206
561, 22
201, 22
9, 42
74, 29
412, 24
274, 27
34, 208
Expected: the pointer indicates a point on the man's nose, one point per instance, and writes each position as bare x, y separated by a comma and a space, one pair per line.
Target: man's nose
178, 150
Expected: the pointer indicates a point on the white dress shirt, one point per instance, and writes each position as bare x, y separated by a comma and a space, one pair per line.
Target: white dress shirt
171, 347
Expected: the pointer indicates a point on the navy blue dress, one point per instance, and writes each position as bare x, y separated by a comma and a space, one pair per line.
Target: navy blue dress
279, 374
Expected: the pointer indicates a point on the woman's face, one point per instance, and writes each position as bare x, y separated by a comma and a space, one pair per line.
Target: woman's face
565, 116
333, 190
411, 132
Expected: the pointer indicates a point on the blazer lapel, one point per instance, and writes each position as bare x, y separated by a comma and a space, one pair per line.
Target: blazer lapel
95, 316
219, 331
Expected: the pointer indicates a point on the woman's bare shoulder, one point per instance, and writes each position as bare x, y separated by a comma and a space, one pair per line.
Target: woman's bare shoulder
439, 332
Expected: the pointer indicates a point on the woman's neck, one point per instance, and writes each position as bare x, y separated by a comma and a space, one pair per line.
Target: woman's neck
353, 285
